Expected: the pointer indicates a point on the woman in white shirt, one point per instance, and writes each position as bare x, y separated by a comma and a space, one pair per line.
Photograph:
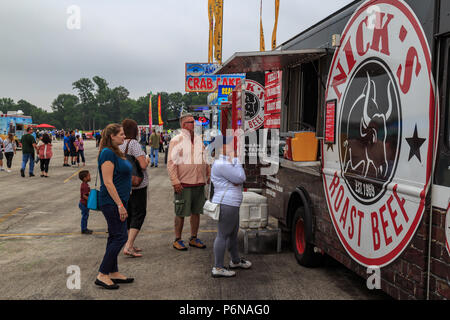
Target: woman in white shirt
227, 176
9, 145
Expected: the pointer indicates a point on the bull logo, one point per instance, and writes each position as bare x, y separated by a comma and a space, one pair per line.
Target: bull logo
251, 105
370, 131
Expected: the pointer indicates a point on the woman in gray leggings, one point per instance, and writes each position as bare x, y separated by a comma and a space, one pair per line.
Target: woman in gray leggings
227, 176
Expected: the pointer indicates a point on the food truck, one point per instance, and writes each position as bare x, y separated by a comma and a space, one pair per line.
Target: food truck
14, 122
364, 118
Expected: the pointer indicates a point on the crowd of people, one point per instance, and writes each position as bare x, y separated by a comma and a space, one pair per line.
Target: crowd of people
122, 197
123, 201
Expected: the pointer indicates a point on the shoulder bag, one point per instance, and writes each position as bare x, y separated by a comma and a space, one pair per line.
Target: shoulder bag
137, 176
92, 202
212, 209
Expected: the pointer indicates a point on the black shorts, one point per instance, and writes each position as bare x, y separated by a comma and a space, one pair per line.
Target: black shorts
137, 208
66, 153
73, 153
1, 155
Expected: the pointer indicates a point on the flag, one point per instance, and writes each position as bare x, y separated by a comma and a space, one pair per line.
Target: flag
211, 11
218, 31
150, 120
274, 33
262, 46
160, 122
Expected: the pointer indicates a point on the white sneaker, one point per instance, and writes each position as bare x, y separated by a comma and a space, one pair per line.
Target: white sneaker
243, 264
1, 169
221, 272
8, 170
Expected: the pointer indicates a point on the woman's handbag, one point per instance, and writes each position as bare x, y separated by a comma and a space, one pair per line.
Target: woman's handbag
137, 176
92, 202
212, 209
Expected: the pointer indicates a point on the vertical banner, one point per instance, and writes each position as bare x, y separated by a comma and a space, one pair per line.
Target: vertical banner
150, 112
272, 100
211, 10
262, 46
218, 31
274, 33
160, 122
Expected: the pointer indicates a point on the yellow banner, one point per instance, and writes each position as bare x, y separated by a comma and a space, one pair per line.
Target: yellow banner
262, 46
274, 33
211, 11
218, 31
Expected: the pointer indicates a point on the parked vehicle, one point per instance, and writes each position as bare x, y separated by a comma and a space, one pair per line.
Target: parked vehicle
372, 82
14, 122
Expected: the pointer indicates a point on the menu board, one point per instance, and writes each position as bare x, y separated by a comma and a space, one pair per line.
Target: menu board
330, 122
272, 100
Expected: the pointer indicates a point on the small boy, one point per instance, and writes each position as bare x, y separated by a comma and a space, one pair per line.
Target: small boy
84, 176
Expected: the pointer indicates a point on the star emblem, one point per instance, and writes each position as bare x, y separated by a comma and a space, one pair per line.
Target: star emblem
415, 143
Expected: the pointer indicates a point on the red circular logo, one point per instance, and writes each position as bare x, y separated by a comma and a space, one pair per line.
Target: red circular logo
377, 173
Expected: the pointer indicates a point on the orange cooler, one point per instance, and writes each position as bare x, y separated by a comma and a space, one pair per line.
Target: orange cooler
304, 146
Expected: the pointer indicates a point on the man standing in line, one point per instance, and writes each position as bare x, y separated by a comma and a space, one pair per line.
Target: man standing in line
66, 149
28, 147
154, 148
188, 174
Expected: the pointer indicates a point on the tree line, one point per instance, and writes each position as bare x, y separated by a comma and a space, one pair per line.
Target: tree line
96, 104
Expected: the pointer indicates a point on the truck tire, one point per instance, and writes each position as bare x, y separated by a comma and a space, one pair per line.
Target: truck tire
303, 251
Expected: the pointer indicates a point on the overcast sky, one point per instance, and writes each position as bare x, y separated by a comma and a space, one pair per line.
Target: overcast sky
140, 44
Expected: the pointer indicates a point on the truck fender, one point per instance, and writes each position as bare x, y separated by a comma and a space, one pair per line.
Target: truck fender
300, 198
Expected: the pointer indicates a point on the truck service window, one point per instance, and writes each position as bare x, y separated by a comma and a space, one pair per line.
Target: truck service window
302, 98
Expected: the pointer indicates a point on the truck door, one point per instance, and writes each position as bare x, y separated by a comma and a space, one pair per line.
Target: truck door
441, 186
442, 173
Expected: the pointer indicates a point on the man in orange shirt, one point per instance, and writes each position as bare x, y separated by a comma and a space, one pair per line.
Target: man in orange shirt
188, 173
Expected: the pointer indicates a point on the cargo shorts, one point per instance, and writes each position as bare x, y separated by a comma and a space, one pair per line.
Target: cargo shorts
190, 200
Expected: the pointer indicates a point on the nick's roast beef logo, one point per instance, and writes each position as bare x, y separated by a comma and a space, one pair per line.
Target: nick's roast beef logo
254, 105
377, 174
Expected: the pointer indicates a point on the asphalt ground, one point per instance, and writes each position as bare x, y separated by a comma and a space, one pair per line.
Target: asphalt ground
40, 238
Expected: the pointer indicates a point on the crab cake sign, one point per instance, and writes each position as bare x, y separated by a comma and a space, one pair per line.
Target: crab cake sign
377, 173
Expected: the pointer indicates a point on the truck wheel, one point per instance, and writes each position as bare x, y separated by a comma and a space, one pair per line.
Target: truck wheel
303, 251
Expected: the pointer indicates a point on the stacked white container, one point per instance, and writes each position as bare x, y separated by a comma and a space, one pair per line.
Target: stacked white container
253, 211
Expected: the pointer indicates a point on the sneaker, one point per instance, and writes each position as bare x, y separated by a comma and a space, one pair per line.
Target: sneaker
1, 169
243, 264
196, 242
222, 272
179, 245
22, 173
31, 174
87, 231
152, 165
8, 170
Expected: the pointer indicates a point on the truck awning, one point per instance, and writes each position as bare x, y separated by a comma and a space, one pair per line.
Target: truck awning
242, 62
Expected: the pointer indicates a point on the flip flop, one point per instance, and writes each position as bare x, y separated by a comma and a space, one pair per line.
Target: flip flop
136, 249
131, 254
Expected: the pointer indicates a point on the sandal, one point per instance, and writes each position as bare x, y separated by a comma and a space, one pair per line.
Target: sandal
136, 249
131, 253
